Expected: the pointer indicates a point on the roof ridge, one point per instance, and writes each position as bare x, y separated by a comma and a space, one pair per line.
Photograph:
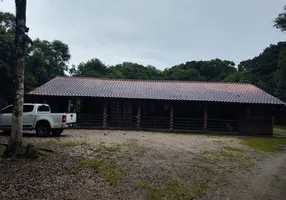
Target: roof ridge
156, 80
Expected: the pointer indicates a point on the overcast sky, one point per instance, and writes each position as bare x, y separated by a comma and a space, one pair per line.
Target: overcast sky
155, 32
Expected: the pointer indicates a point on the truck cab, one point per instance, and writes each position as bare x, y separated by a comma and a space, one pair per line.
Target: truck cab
38, 117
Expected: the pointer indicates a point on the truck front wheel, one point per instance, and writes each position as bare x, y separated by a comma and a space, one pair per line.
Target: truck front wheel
57, 132
43, 129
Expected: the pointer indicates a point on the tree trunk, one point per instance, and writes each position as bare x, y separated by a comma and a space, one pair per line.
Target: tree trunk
15, 146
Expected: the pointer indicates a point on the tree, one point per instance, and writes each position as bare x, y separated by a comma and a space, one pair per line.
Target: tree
213, 70
44, 61
236, 77
136, 71
113, 72
267, 70
126, 70
280, 91
280, 21
8, 22
91, 68
281, 74
15, 146
180, 73
7, 31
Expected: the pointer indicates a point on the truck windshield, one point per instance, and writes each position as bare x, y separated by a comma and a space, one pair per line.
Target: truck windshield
43, 108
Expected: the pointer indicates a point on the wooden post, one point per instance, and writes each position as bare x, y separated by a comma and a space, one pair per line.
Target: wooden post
171, 116
205, 118
74, 108
104, 114
139, 115
72, 105
69, 105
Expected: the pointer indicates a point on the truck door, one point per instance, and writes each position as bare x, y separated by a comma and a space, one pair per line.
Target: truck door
28, 116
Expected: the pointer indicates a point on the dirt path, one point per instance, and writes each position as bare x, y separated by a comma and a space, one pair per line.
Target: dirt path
269, 182
208, 167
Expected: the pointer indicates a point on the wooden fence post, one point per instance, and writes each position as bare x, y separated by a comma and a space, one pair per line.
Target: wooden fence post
205, 118
104, 113
69, 105
139, 115
171, 116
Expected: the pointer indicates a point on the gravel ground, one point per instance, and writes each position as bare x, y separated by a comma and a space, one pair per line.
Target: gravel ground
97, 164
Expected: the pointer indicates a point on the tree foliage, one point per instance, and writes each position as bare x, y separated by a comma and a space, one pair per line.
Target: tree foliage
44, 60
214, 70
280, 21
91, 68
7, 28
134, 71
268, 70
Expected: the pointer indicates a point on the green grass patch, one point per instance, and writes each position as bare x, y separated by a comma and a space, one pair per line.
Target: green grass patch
107, 148
228, 154
43, 153
246, 165
74, 171
265, 144
230, 148
133, 148
72, 144
171, 191
144, 184
279, 129
198, 191
106, 169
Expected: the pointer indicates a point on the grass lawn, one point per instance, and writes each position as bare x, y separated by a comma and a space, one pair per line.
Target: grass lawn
279, 129
265, 143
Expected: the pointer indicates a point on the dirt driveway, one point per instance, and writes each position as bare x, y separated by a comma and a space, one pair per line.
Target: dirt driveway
144, 165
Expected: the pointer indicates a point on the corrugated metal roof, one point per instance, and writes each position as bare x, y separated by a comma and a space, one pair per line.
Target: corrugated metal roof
156, 89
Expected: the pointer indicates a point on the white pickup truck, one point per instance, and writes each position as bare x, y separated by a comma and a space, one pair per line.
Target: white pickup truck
40, 118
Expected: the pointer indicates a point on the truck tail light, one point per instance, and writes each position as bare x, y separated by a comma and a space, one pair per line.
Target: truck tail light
64, 119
